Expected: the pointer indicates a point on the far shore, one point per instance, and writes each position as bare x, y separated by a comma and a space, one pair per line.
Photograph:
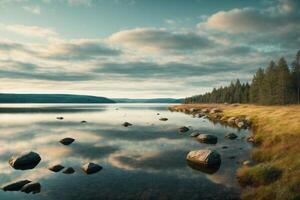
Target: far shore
276, 152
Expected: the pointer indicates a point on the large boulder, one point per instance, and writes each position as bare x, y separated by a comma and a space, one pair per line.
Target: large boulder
16, 186
231, 120
67, 141
206, 157
91, 168
31, 188
207, 138
25, 161
183, 129
56, 168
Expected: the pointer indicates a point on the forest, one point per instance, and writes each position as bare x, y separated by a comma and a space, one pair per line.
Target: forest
277, 84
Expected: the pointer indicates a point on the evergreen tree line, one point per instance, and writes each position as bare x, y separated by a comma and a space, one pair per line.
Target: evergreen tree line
277, 84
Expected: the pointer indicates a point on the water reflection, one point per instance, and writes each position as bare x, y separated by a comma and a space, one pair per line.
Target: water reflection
144, 161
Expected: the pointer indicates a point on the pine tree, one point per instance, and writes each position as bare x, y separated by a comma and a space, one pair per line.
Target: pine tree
255, 89
269, 84
283, 87
296, 77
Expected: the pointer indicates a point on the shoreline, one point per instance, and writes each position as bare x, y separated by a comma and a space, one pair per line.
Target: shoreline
276, 149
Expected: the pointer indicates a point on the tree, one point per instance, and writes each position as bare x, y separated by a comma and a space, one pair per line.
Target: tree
283, 87
255, 89
269, 84
296, 77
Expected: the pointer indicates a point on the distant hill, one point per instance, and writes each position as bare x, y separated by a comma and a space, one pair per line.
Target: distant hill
156, 100
51, 98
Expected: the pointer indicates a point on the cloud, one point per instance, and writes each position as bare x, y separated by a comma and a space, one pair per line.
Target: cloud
157, 40
79, 50
242, 20
34, 9
31, 31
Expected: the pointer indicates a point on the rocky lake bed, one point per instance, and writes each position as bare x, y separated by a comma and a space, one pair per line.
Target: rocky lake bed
96, 151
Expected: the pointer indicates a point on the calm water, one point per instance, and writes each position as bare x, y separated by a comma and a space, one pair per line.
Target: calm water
144, 161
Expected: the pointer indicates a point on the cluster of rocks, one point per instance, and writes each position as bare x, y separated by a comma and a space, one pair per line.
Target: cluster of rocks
30, 160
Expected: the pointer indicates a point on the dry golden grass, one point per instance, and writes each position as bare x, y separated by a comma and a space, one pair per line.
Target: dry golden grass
276, 129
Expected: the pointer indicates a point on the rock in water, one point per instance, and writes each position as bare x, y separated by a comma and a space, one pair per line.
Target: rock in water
69, 170
25, 161
16, 186
91, 168
83, 122
56, 168
31, 188
67, 141
231, 136
194, 134
207, 158
126, 124
206, 138
59, 118
163, 119
183, 129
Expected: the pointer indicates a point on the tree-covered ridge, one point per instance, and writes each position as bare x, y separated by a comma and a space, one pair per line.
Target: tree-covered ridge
277, 84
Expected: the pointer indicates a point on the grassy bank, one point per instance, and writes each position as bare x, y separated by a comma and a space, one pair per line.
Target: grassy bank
276, 130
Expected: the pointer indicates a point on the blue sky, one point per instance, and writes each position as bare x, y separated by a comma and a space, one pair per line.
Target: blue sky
140, 48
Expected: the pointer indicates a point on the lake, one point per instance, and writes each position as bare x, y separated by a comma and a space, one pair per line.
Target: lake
143, 161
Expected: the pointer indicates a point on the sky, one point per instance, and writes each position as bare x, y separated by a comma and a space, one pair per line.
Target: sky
141, 48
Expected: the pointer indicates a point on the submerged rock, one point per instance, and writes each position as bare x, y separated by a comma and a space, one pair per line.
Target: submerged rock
126, 124
67, 141
69, 170
207, 138
183, 129
194, 134
31, 188
206, 158
163, 119
56, 168
83, 122
16, 186
25, 161
59, 118
91, 168
231, 136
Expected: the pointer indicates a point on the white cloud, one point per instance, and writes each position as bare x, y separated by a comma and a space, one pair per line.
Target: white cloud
34, 9
31, 31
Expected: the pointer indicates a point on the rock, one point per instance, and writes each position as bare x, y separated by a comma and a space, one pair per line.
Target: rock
67, 141
215, 110
247, 163
31, 188
83, 121
232, 157
250, 139
157, 114
91, 168
224, 147
69, 170
231, 136
205, 110
56, 168
16, 186
193, 110
183, 129
241, 124
204, 157
25, 161
126, 124
194, 134
231, 120
163, 119
206, 138
59, 118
